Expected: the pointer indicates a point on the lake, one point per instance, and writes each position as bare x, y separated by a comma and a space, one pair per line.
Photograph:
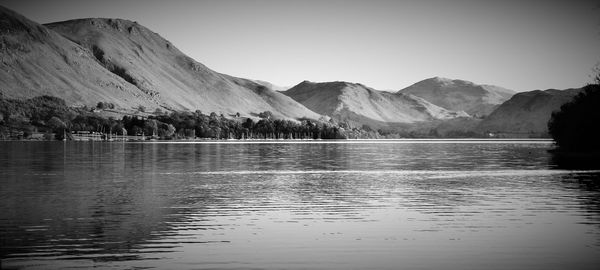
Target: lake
397, 204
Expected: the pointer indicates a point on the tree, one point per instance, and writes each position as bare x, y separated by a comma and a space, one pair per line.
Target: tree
170, 130
56, 123
266, 115
105, 105
151, 127
57, 126
249, 124
575, 127
135, 130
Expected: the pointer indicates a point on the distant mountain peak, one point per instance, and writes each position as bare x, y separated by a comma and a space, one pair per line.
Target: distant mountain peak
445, 81
460, 95
359, 104
440, 79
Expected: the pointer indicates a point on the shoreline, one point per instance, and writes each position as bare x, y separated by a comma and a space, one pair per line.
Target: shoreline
315, 141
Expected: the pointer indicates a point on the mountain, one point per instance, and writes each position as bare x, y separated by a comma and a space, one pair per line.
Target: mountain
272, 86
164, 73
459, 95
86, 61
527, 112
38, 61
356, 103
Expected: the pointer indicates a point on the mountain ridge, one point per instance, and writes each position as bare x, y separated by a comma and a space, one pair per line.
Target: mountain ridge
171, 69
460, 95
345, 101
37, 61
86, 61
527, 112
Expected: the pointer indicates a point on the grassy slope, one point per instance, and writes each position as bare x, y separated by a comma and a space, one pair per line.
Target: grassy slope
360, 104
167, 75
118, 61
459, 95
527, 112
37, 61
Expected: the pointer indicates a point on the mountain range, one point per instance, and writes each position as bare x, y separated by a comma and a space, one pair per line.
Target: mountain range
358, 104
86, 61
459, 95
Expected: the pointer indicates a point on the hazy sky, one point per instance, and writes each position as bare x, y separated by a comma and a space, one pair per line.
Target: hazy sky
388, 45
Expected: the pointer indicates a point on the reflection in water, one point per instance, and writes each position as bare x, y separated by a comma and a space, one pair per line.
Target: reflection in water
570, 161
337, 206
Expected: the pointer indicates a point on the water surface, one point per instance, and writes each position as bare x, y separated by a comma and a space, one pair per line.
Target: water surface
278, 205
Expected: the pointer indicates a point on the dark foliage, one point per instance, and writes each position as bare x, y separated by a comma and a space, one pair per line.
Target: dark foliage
105, 105
21, 118
187, 124
575, 127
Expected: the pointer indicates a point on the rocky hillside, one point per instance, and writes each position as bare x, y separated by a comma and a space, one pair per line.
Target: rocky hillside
35, 60
359, 104
527, 112
86, 61
458, 95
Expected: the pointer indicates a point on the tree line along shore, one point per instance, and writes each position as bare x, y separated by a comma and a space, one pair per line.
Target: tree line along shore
574, 127
49, 118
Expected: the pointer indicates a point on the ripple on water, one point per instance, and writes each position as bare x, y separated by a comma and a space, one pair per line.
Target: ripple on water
456, 205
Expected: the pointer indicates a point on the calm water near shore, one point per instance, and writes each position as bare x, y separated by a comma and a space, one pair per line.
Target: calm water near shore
409, 204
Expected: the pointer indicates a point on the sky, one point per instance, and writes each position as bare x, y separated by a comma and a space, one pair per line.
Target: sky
388, 45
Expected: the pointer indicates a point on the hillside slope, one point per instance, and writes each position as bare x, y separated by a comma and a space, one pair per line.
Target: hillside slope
37, 61
272, 86
459, 95
165, 74
527, 112
86, 61
360, 104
